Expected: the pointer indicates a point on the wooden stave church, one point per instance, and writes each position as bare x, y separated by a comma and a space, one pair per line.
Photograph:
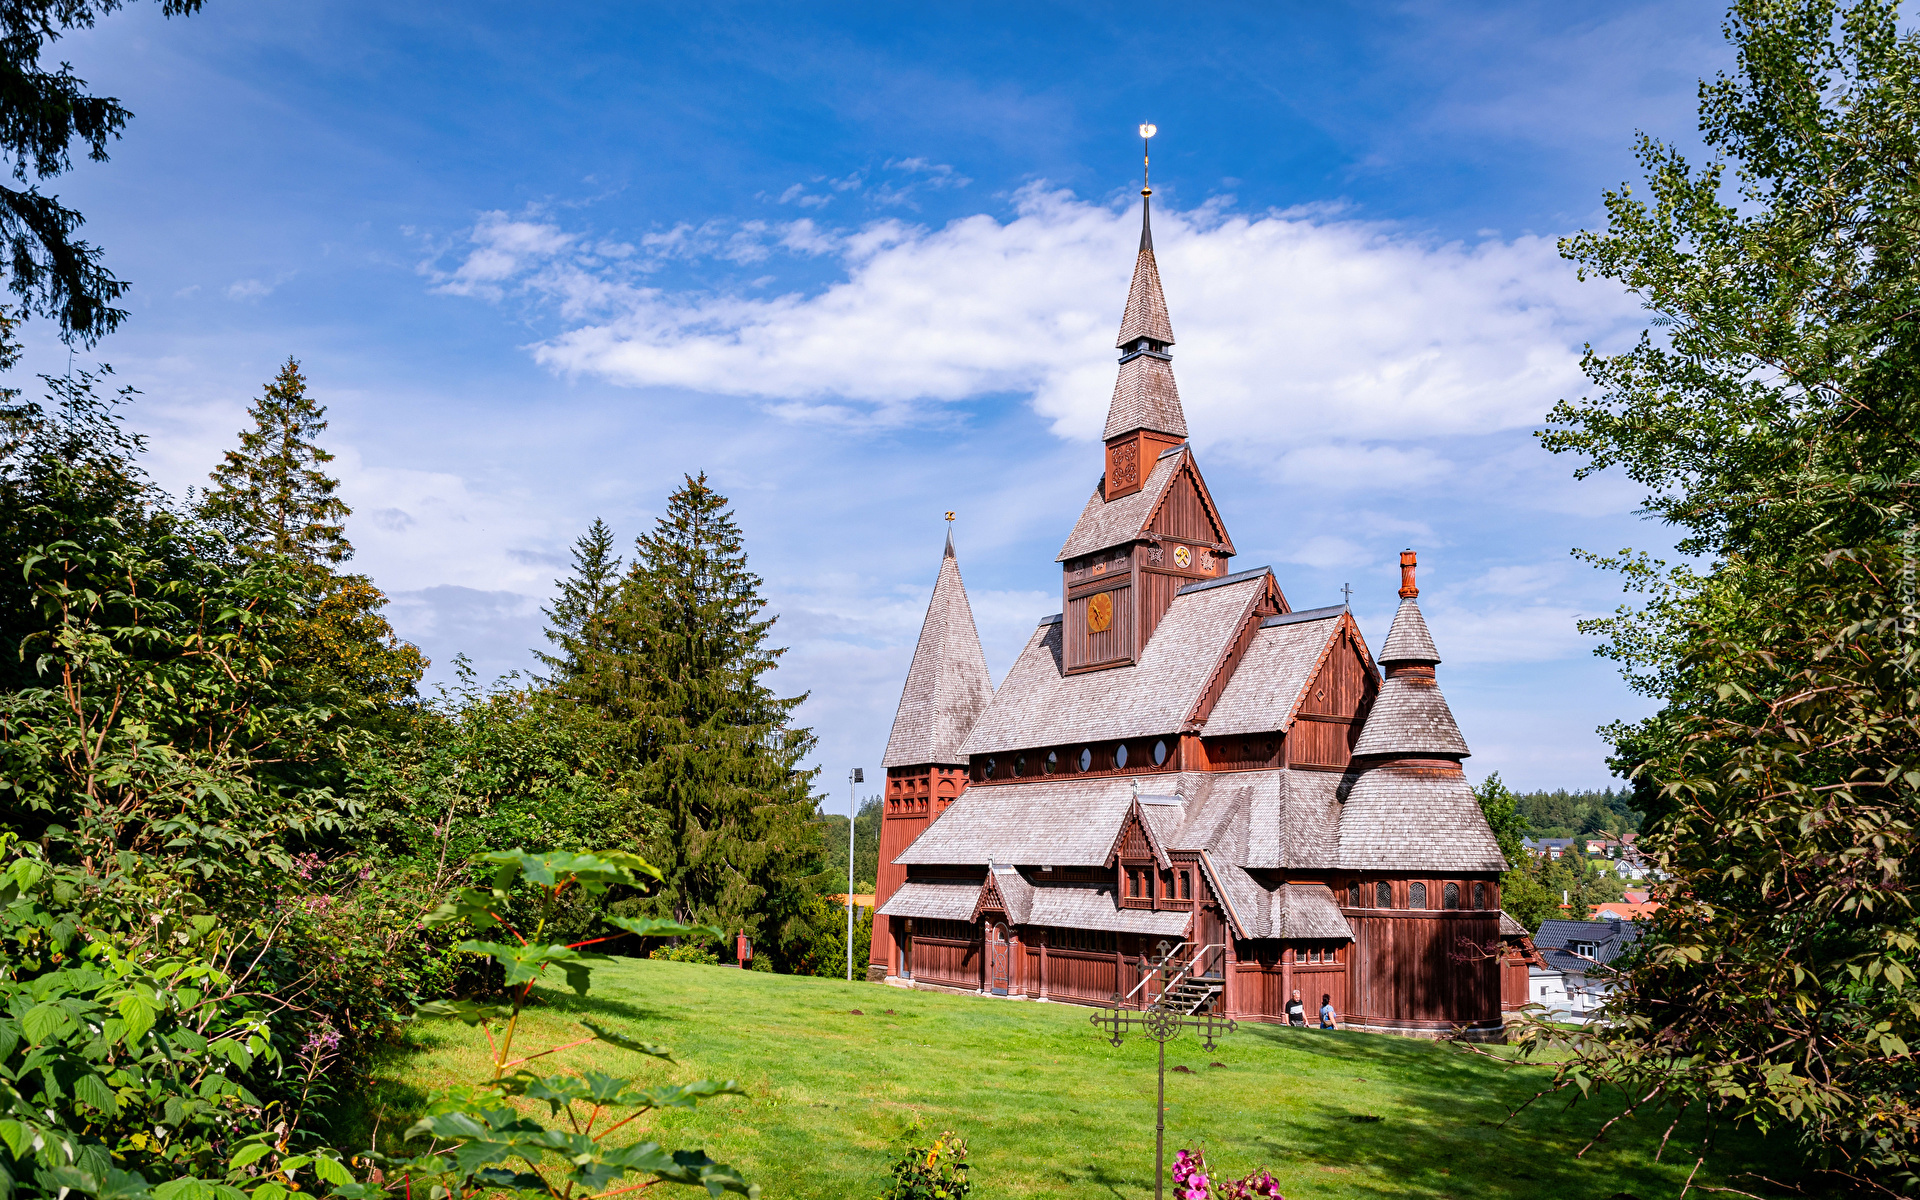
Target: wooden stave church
1179, 758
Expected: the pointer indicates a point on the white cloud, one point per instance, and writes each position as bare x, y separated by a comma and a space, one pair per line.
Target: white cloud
1304, 329
248, 289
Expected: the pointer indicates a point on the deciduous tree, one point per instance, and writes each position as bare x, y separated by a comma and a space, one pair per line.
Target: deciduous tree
1771, 413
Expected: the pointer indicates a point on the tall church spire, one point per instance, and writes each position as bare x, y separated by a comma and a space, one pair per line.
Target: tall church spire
947, 685
1145, 396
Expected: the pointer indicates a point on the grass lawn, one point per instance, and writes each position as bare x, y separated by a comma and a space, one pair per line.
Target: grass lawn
1047, 1105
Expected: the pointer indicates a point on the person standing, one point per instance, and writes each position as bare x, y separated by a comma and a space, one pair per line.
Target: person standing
1326, 1011
1296, 1011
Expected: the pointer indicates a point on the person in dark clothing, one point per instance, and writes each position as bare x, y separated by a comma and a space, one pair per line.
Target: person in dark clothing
1326, 1011
1296, 1011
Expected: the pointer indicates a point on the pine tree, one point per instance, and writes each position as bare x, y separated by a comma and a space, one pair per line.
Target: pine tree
578, 623
270, 492
272, 497
685, 666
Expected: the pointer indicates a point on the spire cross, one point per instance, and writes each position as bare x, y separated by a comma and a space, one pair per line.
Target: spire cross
1346, 593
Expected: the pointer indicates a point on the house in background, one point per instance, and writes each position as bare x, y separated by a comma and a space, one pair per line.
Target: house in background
1551, 848
1574, 979
1634, 905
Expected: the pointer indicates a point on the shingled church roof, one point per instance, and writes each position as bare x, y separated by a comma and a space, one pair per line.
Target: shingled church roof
947, 685
1146, 315
1410, 716
1039, 704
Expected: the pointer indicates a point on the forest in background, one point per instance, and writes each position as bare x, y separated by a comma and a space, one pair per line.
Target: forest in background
1563, 814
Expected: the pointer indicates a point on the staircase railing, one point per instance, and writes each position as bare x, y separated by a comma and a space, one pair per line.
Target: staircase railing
1187, 971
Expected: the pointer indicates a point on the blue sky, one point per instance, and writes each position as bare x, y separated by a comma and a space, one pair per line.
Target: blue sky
863, 264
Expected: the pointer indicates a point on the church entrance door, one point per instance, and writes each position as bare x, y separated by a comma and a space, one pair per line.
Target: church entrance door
997, 958
1209, 930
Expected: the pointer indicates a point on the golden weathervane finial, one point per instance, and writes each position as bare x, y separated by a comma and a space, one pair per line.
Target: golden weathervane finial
1146, 175
949, 516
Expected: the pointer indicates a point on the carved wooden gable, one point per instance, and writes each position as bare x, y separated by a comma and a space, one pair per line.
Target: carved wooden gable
1186, 513
1334, 703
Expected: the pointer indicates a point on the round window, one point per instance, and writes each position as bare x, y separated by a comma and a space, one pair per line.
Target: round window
1160, 753
1086, 760
1053, 762
1020, 765
990, 766
1120, 756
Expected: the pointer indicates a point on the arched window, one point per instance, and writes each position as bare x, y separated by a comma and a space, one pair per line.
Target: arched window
1450, 896
1052, 763
1353, 895
1086, 759
1120, 755
1416, 895
1383, 894
1020, 766
1160, 753
1479, 895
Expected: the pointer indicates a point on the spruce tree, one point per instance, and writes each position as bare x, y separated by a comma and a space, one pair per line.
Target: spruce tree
578, 621
685, 666
271, 496
270, 492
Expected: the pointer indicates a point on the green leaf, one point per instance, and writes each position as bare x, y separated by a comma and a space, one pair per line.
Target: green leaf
188, 1188
139, 1015
518, 1181
471, 1012
92, 1090
524, 964
331, 1169
249, 1154
44, 1022
626, 1043
683, 1095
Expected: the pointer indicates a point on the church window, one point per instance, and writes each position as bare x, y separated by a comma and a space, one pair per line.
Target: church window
1417, 895
1052, 763
1479, 895
1086, 760
1186, 885
1353, 895
1020, 766
1450, 896
1160, 753
1383, 894
990, 766
1120, 755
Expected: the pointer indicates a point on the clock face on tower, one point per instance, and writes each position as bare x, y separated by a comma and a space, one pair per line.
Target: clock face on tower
1100, 613
1182, 557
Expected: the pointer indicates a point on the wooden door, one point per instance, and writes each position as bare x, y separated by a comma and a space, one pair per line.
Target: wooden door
1209, 930
906, 952
997, 958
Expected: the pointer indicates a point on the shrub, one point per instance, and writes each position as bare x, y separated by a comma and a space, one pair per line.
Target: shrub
936, 1172
687, 952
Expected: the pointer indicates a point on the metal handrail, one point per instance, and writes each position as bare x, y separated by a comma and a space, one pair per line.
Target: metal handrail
1158, 966
1185, 972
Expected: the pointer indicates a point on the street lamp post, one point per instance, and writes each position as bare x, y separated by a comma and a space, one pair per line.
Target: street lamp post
859, 776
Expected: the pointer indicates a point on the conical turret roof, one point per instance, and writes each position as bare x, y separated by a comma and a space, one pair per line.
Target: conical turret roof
1408, 640
947, 686
1410, 717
